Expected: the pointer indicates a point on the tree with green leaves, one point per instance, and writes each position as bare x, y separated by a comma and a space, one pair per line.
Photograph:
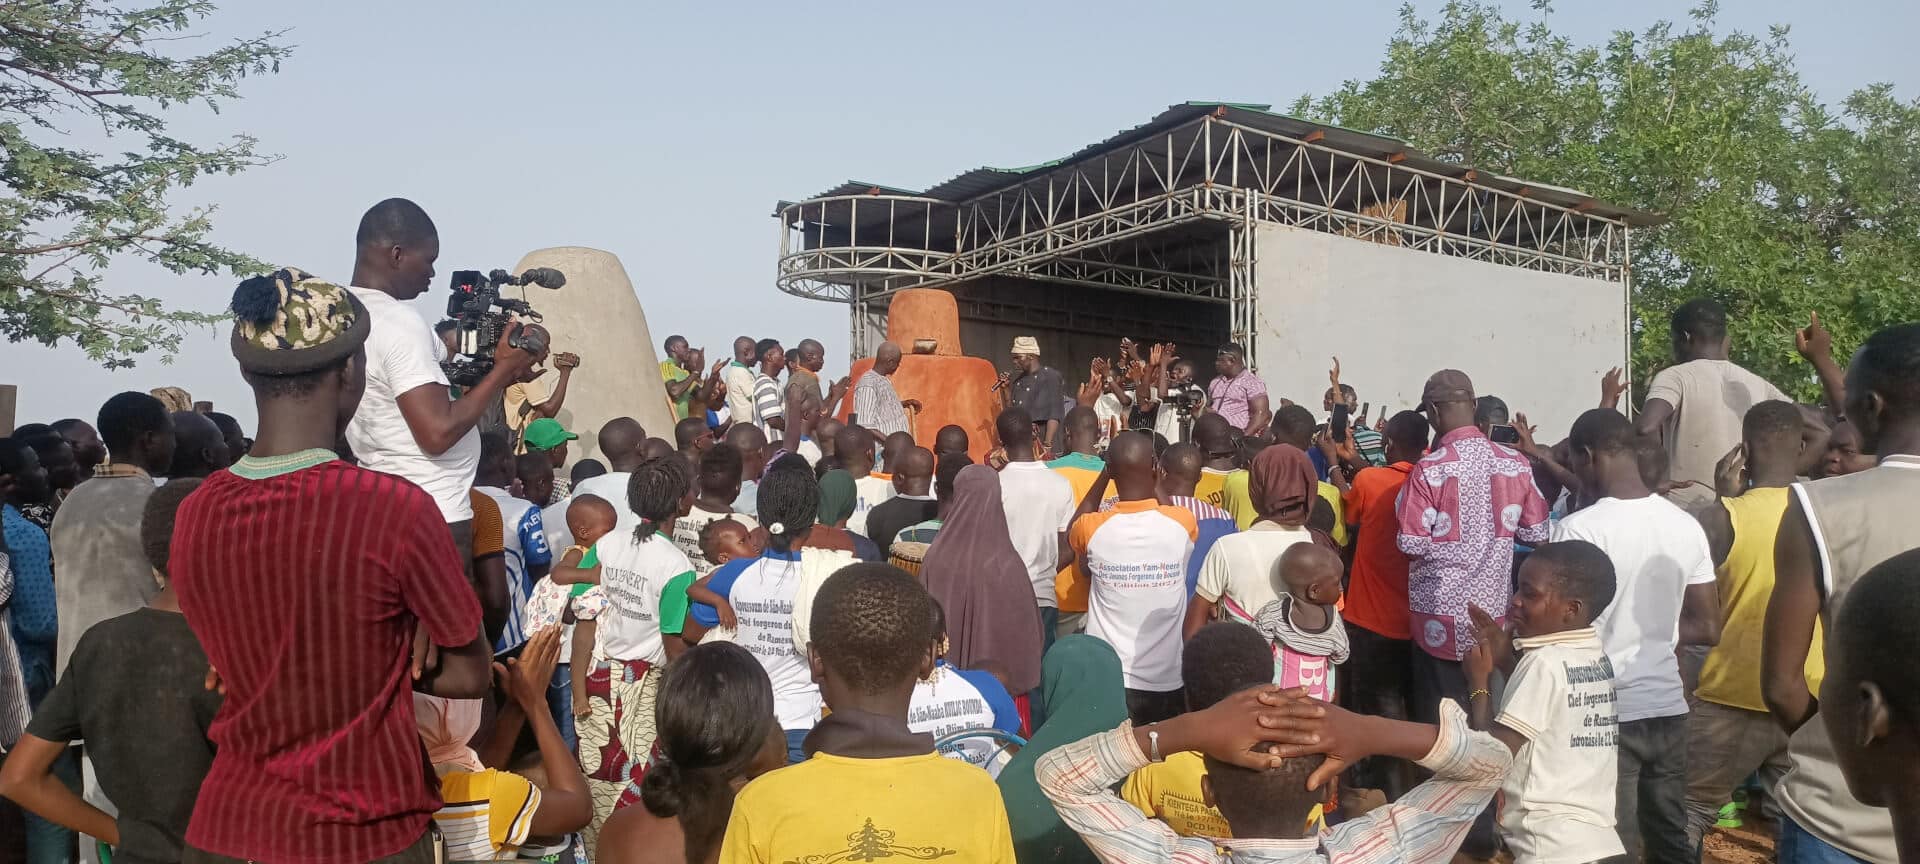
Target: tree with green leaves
67, 212
1773, 203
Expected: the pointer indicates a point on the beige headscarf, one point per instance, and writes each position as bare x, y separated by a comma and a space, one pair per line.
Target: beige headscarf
446, 725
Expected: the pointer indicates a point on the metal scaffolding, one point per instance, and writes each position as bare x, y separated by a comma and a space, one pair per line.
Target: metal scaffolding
1169, 209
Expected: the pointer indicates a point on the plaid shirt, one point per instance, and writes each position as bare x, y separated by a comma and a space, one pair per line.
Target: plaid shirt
1424, 827
1232, 398
1463, 507
114, 469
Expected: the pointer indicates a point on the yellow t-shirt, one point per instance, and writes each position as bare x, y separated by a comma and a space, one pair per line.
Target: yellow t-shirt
1170, 791
1238, 502
1731, 674
1331, 494
835, 808
486, 814
1212, 486
1070, 586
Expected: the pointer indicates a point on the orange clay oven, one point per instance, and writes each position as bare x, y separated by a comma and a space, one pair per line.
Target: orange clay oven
952, 388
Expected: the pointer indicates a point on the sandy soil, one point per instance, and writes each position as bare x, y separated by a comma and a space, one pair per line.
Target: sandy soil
1752, 843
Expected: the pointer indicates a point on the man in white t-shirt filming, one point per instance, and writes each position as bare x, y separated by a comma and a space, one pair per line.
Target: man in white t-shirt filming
1665, 598
408, 424
1558, 714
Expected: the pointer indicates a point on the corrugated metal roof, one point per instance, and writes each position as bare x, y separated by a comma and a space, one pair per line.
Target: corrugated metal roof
982, 181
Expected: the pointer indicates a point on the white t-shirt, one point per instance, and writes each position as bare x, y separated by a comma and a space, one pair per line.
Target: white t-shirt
1240, 568
400, 356
1166, 419
1560, 791
524, 543
1108, 408
739, 380
1657, 550
638, 579
613, 487
868, 493
1710, 398
949, 704
762, 599
1135, 559
686, 533
748, 501
1039, 504
553, 517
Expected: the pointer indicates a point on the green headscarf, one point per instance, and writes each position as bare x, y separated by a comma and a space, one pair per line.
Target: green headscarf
836, 496
1084, 694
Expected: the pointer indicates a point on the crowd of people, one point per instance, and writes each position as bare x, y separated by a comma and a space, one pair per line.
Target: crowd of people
1159, 621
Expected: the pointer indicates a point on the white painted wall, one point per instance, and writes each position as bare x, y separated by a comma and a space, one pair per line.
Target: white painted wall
1540, 341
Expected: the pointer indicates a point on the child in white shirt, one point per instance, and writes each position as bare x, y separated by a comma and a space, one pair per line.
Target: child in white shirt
1558, 715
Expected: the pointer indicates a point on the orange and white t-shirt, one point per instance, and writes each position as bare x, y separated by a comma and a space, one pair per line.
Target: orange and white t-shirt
1135, 560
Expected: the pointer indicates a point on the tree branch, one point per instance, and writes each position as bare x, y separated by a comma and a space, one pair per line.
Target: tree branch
45, 76
85, 241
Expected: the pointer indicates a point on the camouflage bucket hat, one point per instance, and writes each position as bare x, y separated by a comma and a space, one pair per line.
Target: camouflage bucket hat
289, 323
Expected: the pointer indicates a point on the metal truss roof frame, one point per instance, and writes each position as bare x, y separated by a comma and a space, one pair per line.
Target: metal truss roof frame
1169, 209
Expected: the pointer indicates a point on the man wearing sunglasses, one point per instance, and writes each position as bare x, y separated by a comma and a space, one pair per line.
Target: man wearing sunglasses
1462, 509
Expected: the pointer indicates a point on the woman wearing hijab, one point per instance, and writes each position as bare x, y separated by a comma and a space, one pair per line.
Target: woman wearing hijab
1085, 695
1236, 579
837, 497
978, 577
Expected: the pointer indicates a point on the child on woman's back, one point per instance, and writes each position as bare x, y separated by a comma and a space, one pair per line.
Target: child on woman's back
1303, 626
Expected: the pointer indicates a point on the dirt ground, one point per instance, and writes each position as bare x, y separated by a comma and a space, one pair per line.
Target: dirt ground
1752, 843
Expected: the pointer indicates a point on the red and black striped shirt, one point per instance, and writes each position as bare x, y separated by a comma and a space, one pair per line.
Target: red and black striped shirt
304, 588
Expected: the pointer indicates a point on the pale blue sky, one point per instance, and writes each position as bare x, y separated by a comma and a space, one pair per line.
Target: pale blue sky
665, 132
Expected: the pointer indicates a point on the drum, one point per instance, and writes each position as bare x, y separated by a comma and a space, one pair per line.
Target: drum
908, 555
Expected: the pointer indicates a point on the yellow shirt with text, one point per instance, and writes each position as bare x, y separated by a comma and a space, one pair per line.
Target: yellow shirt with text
835, 808
1170, 792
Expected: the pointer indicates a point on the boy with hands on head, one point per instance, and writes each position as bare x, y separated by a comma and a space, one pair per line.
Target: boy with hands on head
1272, 755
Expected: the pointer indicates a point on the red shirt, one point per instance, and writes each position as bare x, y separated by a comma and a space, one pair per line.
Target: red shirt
1377, 592
304, 588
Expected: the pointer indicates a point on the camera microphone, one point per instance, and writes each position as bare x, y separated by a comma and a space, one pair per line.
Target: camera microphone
545, 277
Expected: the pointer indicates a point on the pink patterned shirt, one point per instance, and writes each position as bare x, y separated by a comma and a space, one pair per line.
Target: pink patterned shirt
1463, 508
1232, 398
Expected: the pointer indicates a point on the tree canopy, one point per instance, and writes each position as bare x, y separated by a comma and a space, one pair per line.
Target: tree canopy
1773, 203
67, 212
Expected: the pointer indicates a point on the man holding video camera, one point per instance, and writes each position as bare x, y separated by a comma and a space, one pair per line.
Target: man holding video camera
407, 423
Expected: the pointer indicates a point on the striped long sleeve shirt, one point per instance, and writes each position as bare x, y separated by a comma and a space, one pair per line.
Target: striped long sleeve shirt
1424, 827
877, 404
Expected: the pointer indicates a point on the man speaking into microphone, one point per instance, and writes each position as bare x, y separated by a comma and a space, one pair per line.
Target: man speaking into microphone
1035, 387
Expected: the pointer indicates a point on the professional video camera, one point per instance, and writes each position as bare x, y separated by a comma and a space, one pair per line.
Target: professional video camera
480, 315
1187, 399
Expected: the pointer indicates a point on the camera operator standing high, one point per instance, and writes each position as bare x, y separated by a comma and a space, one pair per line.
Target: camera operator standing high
407, 424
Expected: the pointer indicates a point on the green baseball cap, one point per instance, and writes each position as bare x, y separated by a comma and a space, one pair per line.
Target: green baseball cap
546, 433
